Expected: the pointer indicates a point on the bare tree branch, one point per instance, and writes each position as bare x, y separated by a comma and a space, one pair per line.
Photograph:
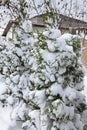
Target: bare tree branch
9, 25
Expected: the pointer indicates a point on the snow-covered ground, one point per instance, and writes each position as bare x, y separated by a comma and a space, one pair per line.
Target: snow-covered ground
6, 123
5, 120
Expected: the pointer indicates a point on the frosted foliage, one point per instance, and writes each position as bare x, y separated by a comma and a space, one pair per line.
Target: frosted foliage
60, 110
27, 26
44, 78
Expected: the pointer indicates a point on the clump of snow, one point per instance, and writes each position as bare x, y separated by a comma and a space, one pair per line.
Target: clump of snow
53, 33
2, 88
85, 88
27, 26
67, 36
84, 117
5, 120
55, 90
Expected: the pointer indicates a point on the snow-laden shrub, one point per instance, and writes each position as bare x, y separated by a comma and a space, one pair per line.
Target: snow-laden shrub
44, 79
59, 75
43, 75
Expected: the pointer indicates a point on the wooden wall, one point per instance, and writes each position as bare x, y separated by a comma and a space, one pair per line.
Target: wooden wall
84, 53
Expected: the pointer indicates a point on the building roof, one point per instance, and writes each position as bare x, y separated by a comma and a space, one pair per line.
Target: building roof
66, 22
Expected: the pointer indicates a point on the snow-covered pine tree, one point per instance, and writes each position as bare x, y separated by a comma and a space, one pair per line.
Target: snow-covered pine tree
44, 78
15, 65
58, 80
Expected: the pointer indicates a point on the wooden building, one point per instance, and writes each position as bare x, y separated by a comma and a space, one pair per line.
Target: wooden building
66, 23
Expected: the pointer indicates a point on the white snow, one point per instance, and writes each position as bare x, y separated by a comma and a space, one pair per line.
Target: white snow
85, 88
5, 120
72, 8
6, 123
55, 89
